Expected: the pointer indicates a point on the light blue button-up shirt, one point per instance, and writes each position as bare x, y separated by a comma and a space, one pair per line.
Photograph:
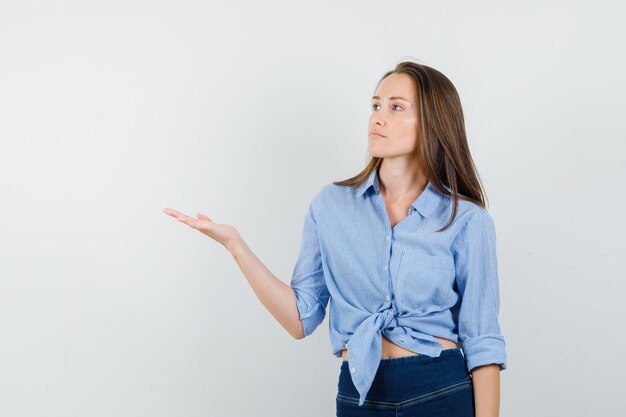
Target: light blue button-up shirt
407, 282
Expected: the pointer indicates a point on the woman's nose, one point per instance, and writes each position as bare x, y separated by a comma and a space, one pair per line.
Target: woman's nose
377, 118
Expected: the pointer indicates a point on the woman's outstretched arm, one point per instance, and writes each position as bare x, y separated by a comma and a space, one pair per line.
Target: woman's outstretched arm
278, 297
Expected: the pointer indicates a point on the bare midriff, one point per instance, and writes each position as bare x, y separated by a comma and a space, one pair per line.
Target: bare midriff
391, 350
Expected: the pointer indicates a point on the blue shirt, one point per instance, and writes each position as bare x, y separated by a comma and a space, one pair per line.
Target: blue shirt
407, 282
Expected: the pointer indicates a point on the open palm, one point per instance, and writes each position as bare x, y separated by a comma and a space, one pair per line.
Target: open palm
222, 233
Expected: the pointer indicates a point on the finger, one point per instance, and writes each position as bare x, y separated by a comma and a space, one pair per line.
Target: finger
178, 215
172, 212
184, 219
203, 217
190, 221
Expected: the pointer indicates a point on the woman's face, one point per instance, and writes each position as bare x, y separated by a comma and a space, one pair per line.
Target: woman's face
393, 115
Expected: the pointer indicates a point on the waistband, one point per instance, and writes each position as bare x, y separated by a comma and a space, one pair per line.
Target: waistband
414, 358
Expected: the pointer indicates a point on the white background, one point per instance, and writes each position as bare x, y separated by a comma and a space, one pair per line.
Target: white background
111, 111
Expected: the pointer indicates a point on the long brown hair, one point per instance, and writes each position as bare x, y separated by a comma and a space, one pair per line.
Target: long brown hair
442, 149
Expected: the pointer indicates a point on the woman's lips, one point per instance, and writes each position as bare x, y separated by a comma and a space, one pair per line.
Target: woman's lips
377, 135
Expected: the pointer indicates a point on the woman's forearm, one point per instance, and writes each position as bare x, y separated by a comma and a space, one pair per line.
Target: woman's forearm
486, 382
278, 297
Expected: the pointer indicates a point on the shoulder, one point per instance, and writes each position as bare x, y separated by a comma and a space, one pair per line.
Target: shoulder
473, 211
466, 211
475, 224
479, 216
334, 189
320, 200
332, 201
332, 194
470, 217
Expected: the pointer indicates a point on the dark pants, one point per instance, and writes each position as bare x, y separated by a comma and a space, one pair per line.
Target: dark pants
412, 386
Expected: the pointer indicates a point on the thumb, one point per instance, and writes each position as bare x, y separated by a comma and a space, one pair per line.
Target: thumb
203, 217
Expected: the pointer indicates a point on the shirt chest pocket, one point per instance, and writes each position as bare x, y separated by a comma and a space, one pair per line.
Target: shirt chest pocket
424, 282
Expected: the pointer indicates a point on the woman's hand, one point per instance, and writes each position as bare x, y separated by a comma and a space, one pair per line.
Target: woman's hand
222, 233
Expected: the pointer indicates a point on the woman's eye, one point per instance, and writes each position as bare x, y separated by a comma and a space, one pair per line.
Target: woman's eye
395, 105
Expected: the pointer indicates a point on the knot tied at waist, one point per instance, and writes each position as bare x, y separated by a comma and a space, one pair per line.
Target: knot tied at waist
365, 346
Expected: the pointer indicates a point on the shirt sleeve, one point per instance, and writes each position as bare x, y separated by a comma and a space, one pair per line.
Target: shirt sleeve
474, 251
307, 279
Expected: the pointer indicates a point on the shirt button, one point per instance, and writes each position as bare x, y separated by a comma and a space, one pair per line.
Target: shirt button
385, 267
388, 237
353, 370
387, 297
402, 340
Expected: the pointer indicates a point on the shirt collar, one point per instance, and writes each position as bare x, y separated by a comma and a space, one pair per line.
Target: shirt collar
425, 203
371, 181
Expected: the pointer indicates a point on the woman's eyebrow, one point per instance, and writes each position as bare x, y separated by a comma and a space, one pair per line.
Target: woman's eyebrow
390, 98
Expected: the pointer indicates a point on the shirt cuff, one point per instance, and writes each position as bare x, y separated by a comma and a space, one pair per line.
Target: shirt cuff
484, 350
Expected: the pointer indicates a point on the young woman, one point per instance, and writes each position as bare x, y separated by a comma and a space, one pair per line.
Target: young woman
405, 253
